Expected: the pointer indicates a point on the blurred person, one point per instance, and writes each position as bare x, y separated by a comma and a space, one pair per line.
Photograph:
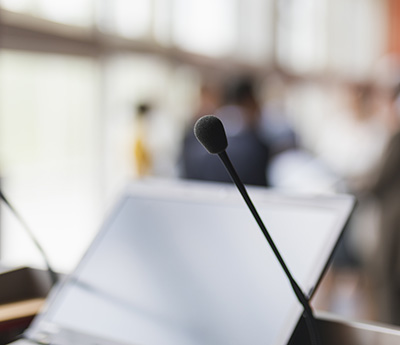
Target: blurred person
141, 152
353, 139
356, 145
155, 141
386, 189
249, 153
276, 126
209, 100
354, 142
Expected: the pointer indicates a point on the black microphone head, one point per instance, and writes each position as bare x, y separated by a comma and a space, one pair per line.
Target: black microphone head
210, 132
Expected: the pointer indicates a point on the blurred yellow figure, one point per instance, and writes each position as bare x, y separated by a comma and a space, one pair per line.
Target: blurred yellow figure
141, 153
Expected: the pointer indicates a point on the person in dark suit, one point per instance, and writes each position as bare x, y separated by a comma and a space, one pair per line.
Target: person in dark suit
248, 152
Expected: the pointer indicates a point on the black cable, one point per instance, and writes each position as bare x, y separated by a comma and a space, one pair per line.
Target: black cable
52, 273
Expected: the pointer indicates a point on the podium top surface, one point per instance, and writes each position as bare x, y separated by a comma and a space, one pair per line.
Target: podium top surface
339, 330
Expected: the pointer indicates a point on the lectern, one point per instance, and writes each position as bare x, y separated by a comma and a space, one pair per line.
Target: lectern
339, 330
184, 263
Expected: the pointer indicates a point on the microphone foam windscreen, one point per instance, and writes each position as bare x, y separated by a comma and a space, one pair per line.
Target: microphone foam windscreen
210, 132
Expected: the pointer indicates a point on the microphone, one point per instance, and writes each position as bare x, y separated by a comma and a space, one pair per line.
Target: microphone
52, 273
210, 132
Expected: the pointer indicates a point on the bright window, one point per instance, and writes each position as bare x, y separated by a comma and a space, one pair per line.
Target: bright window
49, 158
205, 27
72, 12
301, 36
255, 31
127, 18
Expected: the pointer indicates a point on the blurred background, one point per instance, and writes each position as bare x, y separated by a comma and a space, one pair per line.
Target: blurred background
94, 93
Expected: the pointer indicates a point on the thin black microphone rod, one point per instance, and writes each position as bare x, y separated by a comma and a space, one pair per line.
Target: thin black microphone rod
308, 314
52, 273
